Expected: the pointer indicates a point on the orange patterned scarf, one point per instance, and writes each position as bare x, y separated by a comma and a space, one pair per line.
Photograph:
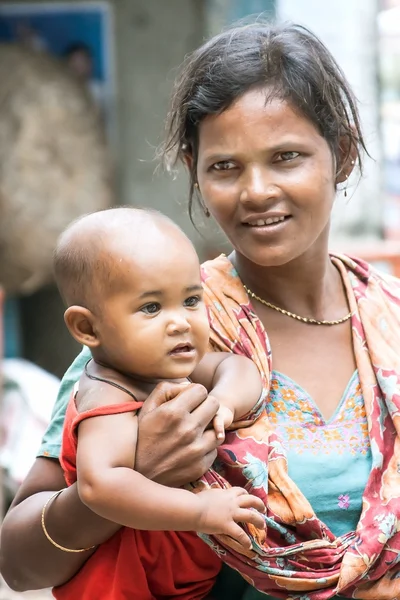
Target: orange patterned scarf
297, 556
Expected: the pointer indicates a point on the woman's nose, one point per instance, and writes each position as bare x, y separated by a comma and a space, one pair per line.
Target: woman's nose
258, 187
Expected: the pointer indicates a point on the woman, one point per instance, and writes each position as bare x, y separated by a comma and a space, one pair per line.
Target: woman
268, 127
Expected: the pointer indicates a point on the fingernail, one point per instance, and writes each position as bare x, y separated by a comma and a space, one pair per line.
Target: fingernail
220, 436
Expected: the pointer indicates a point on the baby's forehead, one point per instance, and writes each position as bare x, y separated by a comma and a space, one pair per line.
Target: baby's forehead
146, 245
150, 261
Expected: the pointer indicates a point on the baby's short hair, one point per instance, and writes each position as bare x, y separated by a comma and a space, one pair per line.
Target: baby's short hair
81, 265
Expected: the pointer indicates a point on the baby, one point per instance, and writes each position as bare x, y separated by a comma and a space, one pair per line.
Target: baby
131, 281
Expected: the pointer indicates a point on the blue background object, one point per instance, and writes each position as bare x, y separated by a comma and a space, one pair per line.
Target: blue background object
60, 29
237, 9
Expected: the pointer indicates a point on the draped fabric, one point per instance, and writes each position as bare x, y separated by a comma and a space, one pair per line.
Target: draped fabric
297, 556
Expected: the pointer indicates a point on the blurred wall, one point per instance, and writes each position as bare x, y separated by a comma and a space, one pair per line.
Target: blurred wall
349, 29
221, 12
151, 39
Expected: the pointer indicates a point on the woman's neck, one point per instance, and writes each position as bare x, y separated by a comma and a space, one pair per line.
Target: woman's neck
309, 286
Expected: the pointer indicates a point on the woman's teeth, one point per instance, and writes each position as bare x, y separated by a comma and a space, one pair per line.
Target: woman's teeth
269, 221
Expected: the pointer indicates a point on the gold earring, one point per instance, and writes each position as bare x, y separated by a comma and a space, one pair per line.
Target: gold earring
203, 206
345, 189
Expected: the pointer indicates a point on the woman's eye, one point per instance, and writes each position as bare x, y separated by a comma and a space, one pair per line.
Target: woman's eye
285, 156
192, 301
223, 165
151, 309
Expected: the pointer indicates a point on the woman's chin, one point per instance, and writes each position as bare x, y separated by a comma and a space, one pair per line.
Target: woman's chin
270, 257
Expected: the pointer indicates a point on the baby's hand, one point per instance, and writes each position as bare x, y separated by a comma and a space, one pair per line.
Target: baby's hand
222, 419
222, 510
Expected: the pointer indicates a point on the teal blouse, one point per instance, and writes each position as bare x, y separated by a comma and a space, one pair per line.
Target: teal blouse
329, 461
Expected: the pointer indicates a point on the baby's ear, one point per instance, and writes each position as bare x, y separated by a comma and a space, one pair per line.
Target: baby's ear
81, 324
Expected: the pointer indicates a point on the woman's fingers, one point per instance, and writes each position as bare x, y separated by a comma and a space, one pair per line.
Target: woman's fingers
177, 402
173, 447
192, 470
190, 397
162, 393
209, 441
205, 412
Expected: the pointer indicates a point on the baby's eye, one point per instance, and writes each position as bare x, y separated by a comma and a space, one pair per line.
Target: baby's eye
151, 309
224, 165
192, 301
285, 156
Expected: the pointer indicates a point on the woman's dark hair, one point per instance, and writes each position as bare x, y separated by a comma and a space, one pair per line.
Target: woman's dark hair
288, 60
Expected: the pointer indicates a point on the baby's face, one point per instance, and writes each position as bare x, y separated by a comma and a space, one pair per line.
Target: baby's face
154, 325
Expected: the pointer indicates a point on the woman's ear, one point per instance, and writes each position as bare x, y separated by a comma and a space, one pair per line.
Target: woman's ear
81, 324
188, 160
347, 157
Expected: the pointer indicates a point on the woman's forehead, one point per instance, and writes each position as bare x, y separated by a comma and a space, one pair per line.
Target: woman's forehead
253, 116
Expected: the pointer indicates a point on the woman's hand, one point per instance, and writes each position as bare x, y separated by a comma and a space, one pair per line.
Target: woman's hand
174, 447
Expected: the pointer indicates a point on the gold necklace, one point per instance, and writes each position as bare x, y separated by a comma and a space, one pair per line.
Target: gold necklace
297, 317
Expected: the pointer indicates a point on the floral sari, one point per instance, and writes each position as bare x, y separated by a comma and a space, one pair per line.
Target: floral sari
297, 556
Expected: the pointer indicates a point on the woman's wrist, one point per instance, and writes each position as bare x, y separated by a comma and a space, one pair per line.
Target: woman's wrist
73, 525
48, 536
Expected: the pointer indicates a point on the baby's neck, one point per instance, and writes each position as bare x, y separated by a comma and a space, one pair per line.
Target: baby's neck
137, 384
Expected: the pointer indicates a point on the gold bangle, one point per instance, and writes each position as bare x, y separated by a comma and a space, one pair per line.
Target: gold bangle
46, 533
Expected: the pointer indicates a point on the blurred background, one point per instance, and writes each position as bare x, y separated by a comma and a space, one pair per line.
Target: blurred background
84, 95
125, 53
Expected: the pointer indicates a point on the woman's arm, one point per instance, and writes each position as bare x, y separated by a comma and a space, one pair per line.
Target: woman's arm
173, 448
27, 560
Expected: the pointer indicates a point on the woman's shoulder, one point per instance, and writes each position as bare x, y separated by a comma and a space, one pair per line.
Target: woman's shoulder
51, 442
220, 279
379, 271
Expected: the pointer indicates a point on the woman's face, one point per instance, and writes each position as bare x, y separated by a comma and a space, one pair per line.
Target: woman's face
268, 178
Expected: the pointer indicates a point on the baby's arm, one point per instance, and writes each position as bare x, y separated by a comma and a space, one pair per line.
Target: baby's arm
234, 380
108, 484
